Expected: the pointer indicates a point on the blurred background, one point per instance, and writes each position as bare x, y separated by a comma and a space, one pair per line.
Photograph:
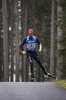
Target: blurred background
48, 20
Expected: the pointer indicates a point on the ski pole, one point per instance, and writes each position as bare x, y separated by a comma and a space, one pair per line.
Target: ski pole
19, 50
23, 52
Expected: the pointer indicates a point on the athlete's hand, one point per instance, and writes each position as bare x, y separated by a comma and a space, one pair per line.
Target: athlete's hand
40, 48
23, 52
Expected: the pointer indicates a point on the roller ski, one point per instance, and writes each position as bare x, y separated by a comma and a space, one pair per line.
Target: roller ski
48, 75
32, 78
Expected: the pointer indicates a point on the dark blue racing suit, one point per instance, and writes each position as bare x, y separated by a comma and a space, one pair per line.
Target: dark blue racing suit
31, 52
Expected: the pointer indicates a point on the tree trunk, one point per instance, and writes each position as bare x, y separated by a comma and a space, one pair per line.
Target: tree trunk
24, 35
12, 40
1, 45
23, 12
59, 35
11, 35
52, 39
5, 40
16, 39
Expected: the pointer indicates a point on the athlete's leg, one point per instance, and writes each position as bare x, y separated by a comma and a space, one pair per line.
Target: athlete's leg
31, 64
37, 59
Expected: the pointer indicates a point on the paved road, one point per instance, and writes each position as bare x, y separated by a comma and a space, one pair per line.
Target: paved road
31, 91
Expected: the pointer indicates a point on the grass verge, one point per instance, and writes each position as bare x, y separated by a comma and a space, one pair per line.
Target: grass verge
62, 83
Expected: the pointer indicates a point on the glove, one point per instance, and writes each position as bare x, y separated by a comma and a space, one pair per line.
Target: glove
23, 52
40, 48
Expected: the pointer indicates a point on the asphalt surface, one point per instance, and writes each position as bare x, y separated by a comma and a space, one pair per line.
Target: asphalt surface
31, 91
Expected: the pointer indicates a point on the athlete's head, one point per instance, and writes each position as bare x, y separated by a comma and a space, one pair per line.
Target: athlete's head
30, 32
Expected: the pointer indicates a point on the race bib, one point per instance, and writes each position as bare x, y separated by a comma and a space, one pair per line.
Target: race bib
31, 46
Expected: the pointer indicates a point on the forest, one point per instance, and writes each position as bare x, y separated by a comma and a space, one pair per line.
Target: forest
47, 18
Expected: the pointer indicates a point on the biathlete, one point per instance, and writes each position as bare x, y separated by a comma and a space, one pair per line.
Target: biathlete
31, 41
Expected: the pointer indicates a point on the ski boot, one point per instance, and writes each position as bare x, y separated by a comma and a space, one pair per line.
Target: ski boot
32, 78
48, 74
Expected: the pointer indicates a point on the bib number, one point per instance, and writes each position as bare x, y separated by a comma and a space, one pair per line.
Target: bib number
31, 46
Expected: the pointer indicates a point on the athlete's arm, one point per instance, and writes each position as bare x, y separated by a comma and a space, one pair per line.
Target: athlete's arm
37, 40
40, 45
21, 45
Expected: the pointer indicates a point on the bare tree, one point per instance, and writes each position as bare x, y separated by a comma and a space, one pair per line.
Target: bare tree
24, 66
12, 40
59, 35
52, 38
5, 40
16, 38
1, 44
